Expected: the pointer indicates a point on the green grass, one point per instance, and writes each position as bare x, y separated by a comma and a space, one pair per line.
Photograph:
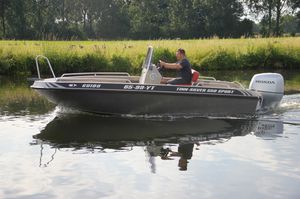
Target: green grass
17, 57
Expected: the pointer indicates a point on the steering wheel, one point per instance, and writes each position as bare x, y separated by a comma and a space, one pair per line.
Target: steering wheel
160, 68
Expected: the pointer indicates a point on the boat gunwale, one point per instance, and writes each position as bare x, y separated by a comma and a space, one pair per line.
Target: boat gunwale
134, 80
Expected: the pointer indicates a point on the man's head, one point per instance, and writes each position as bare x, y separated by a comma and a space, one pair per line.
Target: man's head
180, 54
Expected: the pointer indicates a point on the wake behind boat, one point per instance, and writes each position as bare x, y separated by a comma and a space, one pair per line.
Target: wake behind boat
123, 94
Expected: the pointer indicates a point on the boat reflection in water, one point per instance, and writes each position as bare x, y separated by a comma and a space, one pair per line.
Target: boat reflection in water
94, 133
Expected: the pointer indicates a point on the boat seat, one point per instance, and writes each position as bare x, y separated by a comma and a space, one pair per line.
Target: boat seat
195, 77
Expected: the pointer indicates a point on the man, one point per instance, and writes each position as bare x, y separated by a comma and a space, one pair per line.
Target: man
183, 67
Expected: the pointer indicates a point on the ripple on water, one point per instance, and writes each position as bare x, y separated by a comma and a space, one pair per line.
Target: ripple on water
290, 102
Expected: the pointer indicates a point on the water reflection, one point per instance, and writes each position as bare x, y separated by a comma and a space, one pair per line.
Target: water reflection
67, 130
268, 129
160, 138
21, 100
184, 152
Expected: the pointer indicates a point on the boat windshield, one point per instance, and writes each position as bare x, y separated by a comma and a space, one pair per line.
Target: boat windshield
148, 60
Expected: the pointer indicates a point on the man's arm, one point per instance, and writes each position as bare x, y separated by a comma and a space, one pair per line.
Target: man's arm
175, 66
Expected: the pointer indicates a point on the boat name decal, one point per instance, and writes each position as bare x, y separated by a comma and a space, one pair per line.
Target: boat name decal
91, 86
205, 90
139, 87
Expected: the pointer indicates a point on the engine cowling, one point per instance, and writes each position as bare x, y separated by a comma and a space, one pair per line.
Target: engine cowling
270, 86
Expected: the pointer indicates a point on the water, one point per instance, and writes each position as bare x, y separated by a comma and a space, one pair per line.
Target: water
49, 152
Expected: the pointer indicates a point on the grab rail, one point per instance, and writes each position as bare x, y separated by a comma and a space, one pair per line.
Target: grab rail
238, 83
38, 68
95, 74
207, 78
215, 83
86, 79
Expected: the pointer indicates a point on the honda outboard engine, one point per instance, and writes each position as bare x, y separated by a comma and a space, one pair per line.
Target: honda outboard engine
271, 88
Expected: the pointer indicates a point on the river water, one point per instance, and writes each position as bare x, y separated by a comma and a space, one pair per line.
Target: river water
51, 152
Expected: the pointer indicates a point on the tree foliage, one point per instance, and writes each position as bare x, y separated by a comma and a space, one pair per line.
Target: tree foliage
273, 12
137, 19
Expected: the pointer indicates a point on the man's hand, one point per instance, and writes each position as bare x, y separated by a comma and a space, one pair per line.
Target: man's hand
166, 65
162, 63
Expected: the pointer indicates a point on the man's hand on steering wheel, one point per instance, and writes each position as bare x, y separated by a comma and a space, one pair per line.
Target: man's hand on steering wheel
162, 63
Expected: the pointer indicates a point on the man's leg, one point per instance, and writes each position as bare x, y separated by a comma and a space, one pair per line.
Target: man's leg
176, 81
164, 81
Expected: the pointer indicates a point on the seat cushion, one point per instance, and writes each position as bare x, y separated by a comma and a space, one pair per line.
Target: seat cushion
195, 75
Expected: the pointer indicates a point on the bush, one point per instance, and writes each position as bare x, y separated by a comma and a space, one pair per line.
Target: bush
120, 64
163, 54
252, 59
94, 62
269, 57
17, 57
72, 62
220, 60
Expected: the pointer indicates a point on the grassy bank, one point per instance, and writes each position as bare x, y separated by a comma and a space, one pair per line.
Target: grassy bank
17, 57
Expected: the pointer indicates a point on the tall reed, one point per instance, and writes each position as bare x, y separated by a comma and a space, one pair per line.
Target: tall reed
17, 57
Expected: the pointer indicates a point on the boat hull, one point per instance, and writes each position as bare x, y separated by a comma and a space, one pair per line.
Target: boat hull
129, 102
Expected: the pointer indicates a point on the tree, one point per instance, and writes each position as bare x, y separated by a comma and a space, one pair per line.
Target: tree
139, 19
245, 28
222, 17
4, 4
264, 7
184, 21
17, 19
270, 8
289, 24
113, 20
147, 18
279, 5
42, 16
296, 7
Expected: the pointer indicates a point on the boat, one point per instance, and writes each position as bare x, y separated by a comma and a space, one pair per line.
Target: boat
119, 93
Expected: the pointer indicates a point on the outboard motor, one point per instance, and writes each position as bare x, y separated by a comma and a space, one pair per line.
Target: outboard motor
271, 88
